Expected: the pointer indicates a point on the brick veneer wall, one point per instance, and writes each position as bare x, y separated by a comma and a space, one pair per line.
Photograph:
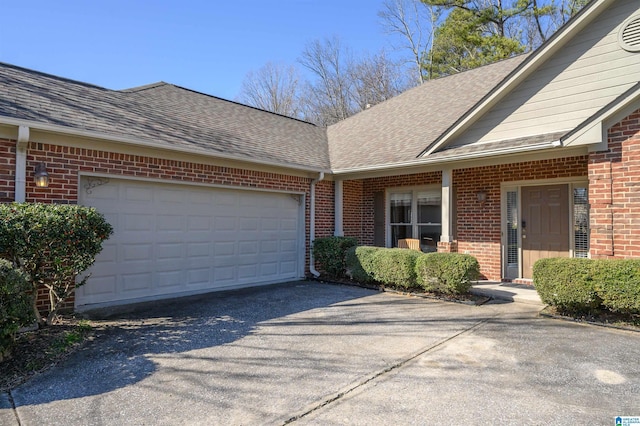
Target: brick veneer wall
478, 226
352, 208
7, 170
358, 201
64, 165
614, 192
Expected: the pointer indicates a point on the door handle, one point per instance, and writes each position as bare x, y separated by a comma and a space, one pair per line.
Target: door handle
524, 224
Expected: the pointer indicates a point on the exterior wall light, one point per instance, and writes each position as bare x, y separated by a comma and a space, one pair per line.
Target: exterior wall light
41, 177
482, 196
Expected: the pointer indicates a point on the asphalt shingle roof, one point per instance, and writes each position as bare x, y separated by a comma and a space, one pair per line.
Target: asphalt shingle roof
399, 129
394, 131
163, 114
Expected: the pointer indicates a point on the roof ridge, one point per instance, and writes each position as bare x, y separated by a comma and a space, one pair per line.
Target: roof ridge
425, 85
238, 103
53, 76
143, 87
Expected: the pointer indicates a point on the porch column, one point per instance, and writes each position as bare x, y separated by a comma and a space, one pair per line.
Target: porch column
338, 194
447, 210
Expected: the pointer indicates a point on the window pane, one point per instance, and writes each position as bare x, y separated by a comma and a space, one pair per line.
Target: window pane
429, 209
512, 229
429, 237
399, 232
400, 208
581, 222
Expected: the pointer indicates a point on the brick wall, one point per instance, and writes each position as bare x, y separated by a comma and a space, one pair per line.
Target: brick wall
478, 225
7, 170
358, 208
352, 208
325, 210
64, 165
614, 192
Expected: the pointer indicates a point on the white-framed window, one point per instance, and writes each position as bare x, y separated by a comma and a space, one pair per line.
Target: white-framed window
415, 213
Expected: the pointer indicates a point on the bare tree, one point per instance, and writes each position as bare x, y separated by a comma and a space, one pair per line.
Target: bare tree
275, 88
376, 78
331, 93
415, 23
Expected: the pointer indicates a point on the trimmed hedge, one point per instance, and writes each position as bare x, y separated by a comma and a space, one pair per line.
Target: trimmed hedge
52, 244
567, 283
330, 253
361, 263
447, 273
15, 304
396, 266
617, 283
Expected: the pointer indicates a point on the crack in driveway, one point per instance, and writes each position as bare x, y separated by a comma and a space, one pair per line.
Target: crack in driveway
376, 375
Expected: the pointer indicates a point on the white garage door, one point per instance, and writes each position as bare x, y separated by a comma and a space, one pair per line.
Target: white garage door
177, 239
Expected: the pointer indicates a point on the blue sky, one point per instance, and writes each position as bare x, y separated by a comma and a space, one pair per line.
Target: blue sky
206, 46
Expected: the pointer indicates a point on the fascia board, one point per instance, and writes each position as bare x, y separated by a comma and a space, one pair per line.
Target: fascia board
506, 155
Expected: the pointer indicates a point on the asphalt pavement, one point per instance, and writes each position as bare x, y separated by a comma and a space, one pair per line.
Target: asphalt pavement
313, 353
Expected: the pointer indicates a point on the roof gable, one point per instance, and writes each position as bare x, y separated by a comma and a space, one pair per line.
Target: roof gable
397, 130
573, 49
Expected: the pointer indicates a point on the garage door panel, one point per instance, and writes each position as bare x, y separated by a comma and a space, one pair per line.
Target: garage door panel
137, 283
136, 222
224, 248
169, 223
288, 267
268, 269
198, 276
137, 252
173, 279
199, 223
224, 274
178, 238
138, 194
225, 223
100, 286
170, 250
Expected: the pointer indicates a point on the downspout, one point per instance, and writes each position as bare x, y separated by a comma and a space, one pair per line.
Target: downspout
339, 203
312, 223
20, 190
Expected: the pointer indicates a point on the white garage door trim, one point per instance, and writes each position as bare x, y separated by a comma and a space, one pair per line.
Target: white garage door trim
175, 239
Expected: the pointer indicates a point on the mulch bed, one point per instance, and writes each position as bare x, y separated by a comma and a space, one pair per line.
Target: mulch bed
38, 350
600, 318
467, 299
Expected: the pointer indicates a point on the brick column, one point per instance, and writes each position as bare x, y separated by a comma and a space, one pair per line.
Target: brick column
614, 192
447, 246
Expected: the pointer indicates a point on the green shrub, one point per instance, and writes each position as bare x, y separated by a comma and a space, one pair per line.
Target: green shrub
567, 284
15, 304
617, 283
330, 254
395, 266
360, 263
447, 273
53, 244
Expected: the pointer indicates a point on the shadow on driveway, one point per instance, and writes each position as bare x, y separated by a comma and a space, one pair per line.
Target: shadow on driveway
119, 355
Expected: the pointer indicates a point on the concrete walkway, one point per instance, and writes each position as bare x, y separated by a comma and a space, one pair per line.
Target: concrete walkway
312, 353
509, 292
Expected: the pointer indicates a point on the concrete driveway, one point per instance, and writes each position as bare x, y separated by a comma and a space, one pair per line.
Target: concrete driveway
311, 353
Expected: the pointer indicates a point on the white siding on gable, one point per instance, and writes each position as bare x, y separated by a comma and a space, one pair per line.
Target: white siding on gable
580, 79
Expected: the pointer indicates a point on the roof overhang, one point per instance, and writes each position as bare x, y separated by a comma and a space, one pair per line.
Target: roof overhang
539, 56
88, 134
495, 155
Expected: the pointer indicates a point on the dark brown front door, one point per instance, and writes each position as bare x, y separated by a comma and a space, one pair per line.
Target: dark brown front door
545, 224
